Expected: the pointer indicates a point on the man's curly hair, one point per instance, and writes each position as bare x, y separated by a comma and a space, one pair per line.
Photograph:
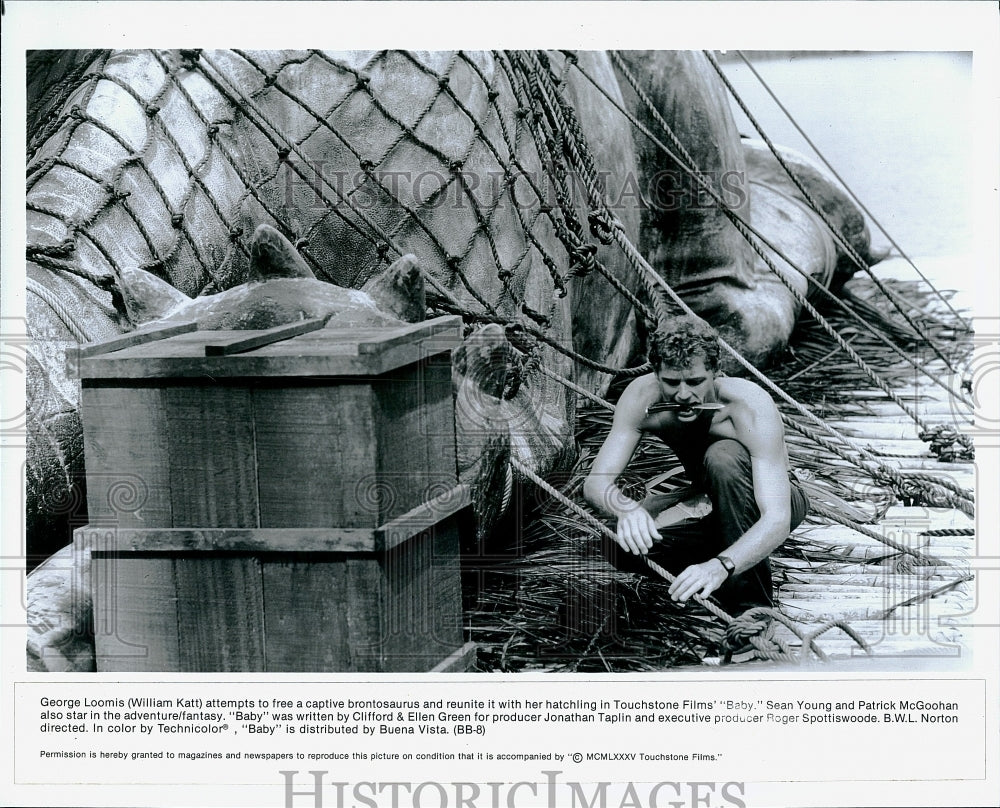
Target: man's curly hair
678, 341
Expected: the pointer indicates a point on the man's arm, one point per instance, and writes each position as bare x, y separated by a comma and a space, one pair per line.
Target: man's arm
636, 529
759, 428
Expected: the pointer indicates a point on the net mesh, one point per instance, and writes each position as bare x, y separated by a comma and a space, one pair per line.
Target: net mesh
168, 160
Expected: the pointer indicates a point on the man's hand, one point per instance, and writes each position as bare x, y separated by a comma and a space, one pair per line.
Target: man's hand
637, 530
699, 579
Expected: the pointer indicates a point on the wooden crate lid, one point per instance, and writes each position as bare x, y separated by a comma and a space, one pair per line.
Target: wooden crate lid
180, 352
103, 539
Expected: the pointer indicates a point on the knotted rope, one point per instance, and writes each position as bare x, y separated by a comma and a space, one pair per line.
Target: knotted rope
746, 628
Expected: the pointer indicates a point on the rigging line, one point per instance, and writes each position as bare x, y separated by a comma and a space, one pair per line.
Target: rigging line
966, 324
652, 278
739, 222
740, 225
242, 102
735, 218
844, 243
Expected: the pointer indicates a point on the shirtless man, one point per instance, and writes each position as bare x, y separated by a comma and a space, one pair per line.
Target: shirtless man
728, 435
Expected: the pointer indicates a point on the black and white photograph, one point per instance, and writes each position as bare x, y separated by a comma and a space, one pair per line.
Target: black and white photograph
406, 426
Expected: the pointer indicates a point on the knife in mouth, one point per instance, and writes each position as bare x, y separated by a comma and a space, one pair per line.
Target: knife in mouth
673, 406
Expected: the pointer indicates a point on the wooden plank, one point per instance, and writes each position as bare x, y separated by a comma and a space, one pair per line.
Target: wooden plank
462, 660
414, 435
391, 338
367, 637
923, 518
266, 337
306, 619
400, 356
135, 614
325, 352
923, 406
140, 336
246, 540
423, 517
220, 614
798, 570
210, 440
127, 455
423, 588
315, 457
879, 430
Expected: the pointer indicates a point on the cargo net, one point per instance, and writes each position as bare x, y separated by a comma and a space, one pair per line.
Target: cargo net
169, 160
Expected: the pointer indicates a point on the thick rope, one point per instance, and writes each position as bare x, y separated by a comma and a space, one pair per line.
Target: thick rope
965, 324
580, 391
653, 278
886, 475
750, 625
747, 628
844, 243
833, 516
749, 235
45, 294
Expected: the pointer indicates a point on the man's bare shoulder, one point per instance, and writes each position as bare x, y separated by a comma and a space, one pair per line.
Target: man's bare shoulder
749, 405
753, 414
733, 389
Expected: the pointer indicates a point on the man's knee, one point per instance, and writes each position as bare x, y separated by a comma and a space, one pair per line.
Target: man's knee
727, 459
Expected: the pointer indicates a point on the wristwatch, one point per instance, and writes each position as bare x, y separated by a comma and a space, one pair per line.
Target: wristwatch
727, 564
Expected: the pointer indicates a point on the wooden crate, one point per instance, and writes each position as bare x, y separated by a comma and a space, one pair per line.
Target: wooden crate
265, 504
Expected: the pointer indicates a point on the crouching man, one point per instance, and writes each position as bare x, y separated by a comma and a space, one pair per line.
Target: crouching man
727, 434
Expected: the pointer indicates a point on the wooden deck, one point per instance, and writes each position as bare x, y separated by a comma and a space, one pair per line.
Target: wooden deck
905, 609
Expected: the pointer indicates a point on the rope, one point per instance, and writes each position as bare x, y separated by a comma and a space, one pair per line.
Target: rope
886, 475
846, 245
833, 516
932, 593
965, 324
652, 277
46, 295
596, 399
747, 627
746, 230
949, 531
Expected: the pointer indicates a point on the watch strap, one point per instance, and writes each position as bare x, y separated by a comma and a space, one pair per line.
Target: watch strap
727, 564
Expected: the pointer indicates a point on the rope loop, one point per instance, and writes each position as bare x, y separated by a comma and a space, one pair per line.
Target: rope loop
601, 227
948, 444
582, 260
756, 627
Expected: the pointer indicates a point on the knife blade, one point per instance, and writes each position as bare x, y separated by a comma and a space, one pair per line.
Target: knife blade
668, 406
